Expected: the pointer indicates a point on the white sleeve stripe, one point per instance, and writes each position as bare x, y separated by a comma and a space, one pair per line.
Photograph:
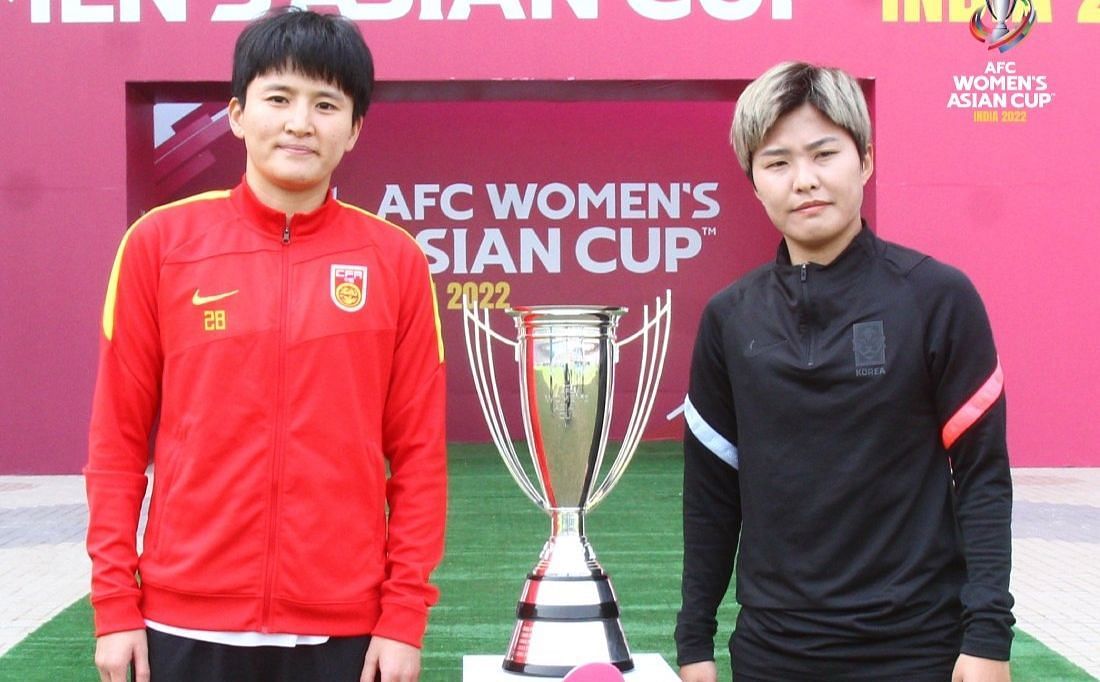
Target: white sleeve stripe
705, 433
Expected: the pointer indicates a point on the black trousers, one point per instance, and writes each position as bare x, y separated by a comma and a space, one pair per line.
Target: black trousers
180, 659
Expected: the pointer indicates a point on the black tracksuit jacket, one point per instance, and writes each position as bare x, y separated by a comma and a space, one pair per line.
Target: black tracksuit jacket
846, 432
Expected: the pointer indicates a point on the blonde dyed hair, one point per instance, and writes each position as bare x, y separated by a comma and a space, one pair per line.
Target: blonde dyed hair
787, 86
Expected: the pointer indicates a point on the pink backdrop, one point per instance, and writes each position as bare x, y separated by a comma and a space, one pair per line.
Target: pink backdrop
490, 95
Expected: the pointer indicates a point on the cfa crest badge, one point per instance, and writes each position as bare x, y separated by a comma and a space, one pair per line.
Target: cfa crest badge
348, 286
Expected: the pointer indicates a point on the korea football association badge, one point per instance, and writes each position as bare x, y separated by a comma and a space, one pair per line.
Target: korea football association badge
348, 286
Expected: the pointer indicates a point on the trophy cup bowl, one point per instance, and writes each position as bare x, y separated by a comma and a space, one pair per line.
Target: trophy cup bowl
1000, 10
567, 612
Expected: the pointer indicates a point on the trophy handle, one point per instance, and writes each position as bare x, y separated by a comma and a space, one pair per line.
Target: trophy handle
475, 328
650, 369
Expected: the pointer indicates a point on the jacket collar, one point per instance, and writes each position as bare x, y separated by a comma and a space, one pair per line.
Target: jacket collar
863, 246
274, 222
822, 292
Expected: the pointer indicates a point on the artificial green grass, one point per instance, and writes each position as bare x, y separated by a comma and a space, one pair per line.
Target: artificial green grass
494, 536
59, 651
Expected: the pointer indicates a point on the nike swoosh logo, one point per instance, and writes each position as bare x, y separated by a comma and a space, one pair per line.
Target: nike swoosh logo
203, 300
755, 348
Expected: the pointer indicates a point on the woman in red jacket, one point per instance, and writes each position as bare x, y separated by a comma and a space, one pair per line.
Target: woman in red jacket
290, 345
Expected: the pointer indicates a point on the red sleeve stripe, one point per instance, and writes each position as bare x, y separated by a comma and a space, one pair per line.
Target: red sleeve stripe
974, 408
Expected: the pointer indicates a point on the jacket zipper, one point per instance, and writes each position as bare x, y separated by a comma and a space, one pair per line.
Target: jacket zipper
279, 447
809, 344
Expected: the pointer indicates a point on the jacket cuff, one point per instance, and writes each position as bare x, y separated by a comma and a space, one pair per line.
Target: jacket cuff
692, 657
694, 652
694, 640
117, 614
987, 642
402, 624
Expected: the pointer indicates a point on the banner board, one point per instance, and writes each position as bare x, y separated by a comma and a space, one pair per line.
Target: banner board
567, 150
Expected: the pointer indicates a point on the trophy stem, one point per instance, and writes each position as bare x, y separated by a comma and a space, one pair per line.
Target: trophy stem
566, 522
567, 555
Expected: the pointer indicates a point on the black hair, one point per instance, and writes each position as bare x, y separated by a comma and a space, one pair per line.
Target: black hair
327, 47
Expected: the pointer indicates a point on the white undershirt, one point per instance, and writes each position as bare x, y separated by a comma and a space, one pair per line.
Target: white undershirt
239, 638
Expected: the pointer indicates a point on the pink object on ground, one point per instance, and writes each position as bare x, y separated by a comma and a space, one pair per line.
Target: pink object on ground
594, 672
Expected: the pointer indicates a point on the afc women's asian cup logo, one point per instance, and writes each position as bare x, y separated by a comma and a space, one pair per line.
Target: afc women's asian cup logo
348, 286
1000, 36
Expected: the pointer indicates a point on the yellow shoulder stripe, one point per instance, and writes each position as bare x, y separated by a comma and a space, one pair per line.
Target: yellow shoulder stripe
112, 283
431, 281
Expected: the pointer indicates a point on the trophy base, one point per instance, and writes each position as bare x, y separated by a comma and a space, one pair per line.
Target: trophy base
648, 667
552, 671
563, 622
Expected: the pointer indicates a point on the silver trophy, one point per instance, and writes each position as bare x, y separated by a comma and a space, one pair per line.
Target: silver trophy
567, 612
1000, 10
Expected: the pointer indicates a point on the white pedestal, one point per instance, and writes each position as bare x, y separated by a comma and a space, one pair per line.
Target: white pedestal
647, 668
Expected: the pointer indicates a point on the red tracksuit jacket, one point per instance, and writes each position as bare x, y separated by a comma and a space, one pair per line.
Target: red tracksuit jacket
292, 363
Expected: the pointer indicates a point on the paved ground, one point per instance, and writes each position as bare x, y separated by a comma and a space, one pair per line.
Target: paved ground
1056, 560
1055, 576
